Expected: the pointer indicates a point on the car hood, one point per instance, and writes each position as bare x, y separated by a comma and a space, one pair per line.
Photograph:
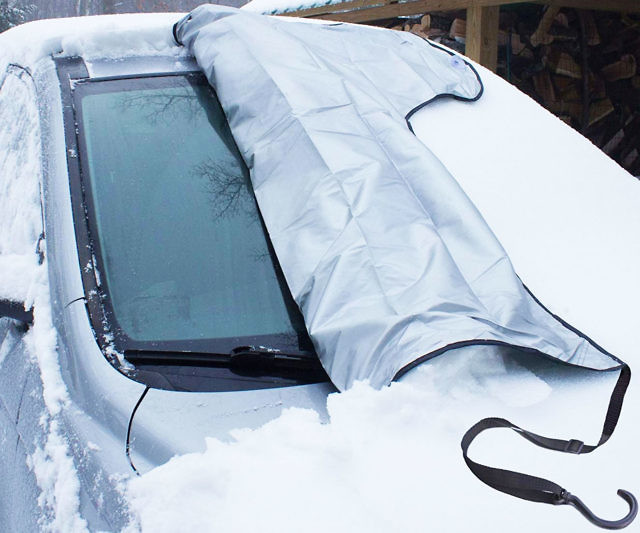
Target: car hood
165, 423
169, 423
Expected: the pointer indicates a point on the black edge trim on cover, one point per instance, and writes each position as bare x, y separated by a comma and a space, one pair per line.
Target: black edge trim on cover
175, 35
461, 344
572, 328
174, 29
490, 342
446, 95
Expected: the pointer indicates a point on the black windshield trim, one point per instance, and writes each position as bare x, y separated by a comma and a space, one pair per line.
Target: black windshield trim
109, 335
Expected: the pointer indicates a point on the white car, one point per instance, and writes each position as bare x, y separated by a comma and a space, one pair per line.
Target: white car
161, 281
118, 278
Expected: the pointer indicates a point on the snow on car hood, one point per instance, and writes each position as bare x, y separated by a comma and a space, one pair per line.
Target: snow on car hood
388, 259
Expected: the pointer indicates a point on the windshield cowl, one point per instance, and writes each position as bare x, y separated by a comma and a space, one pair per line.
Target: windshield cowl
279, 368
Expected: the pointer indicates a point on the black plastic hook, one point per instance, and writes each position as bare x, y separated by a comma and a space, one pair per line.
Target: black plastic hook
566, 498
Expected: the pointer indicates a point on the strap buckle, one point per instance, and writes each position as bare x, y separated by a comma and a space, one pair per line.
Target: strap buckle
574, 446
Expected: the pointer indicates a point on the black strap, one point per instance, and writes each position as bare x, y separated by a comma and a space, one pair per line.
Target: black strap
538, 489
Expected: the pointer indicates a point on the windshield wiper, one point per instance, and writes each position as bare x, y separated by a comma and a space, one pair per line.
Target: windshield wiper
243, 360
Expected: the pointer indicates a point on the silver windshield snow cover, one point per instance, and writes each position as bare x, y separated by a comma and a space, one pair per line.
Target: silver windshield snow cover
388, 259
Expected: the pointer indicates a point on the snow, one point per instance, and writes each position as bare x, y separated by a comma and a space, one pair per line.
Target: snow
390, 460
52, 463
56, 476
104, 36
23, 279
20, 223
565, 212
272, 7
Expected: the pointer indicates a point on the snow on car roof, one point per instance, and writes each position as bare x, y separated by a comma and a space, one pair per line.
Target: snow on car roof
103, 36
273, 7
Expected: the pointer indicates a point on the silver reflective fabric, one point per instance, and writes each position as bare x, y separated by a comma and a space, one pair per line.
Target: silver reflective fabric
388, 259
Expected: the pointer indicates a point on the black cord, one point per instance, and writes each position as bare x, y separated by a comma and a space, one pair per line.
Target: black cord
133, 413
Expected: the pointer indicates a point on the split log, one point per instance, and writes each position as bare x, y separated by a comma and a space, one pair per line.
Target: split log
593, 37
620, 70
562, 63
578, 64
435, 33
572, 94
562, 19
458, 30
563, 84
599, 109
541, 35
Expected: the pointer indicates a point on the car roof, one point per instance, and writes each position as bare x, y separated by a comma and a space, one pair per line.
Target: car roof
98, 40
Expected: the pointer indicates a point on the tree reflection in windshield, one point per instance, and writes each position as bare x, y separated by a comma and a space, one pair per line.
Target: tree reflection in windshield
162, 105
228, 186
228, 191
181, 242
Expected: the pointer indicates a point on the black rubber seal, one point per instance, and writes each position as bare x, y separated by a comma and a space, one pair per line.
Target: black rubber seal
175, 35
445, 95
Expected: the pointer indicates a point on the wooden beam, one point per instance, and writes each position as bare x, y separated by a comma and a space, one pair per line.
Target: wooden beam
481, 43
624, 6
371, 10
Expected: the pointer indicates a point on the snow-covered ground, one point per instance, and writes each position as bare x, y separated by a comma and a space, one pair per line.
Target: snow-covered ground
390, 460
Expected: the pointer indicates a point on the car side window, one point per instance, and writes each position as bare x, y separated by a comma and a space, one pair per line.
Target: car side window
20, 178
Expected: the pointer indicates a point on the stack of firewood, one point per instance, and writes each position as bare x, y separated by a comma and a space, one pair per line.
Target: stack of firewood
583, 66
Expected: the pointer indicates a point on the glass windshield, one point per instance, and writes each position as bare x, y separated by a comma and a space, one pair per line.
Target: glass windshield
183, 252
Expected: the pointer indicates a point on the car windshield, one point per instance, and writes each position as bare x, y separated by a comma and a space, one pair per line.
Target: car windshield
183, 256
